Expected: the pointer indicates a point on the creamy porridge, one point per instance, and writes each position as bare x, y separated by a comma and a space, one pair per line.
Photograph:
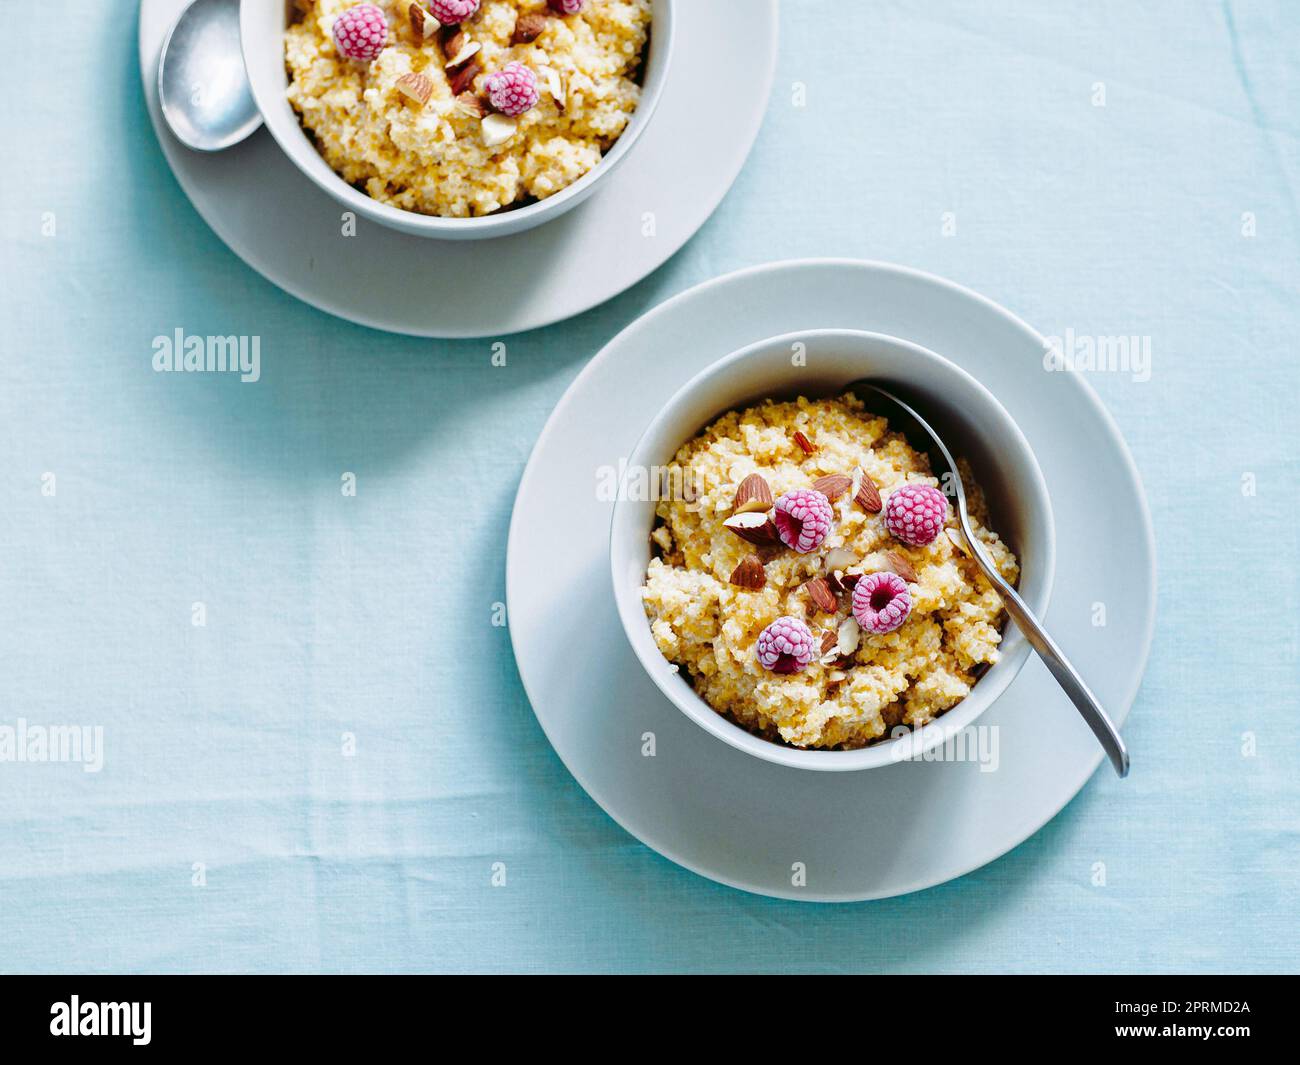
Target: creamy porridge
812, 585
463, 108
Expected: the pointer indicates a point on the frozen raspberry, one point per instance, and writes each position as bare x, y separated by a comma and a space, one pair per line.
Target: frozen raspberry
915, 514
803, 518
513, 89
881, 602
785, 646
567, 7
451, 12
361, 32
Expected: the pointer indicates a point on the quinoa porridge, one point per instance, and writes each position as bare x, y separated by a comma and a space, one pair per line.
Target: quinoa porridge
462, 108
810, 582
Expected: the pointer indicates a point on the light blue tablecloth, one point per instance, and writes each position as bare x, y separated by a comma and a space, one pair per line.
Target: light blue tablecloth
227, 831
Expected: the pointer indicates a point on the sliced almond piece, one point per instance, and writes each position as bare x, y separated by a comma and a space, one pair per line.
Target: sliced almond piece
497, 129
819, 591
415, 86
464, 77
422, 24
848, 636
529, 27
753, 526
838, 558
750, 574
829, 640
805, 445
833, 485
901, 566
753, 493
453, 40
866, 494
555, 86
467, 51
470, 105
958, 541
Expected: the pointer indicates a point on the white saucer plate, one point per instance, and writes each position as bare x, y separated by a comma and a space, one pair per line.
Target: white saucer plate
288, 230
832, 837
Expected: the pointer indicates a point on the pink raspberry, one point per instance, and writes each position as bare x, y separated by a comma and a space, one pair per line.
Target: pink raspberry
915, 514
361, 32
567, 7
881, 602
513, 89
785, 646
451, 12
803, 518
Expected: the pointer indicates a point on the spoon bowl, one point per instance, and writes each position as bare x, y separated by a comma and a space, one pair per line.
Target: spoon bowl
203, 88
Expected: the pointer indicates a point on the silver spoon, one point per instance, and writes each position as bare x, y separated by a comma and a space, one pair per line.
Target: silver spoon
202, 85
904, 419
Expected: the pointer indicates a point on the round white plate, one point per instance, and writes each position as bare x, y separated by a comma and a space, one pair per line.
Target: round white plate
279, 223
716, 810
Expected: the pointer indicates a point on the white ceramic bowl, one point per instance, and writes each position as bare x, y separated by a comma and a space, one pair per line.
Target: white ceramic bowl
973, 424
262, 24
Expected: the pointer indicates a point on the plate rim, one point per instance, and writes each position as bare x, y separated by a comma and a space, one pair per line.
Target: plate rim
741, 276
539, 319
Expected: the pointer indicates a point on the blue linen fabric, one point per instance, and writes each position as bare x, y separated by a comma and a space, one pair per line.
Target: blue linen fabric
1102, 167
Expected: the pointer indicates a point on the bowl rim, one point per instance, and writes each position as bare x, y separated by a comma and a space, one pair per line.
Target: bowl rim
295, 142
915, 744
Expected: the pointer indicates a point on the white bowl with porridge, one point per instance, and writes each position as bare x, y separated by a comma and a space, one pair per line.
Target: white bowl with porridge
489, 120
787, 568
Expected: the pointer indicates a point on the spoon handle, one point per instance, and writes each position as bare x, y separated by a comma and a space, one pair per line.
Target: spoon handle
1054, 658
